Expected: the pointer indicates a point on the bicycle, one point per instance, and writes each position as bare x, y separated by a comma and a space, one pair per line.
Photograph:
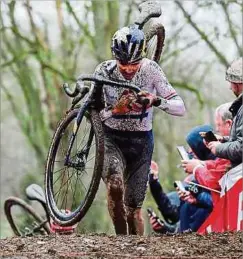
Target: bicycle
74, 165
23, 218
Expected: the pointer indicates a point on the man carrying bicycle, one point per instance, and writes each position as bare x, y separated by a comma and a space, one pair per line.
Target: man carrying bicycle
128, 126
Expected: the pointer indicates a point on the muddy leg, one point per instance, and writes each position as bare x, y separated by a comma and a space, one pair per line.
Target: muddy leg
135, 221
115, 192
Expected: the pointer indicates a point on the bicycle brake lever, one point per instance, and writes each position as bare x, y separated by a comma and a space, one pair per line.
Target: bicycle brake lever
157, 102
83, 90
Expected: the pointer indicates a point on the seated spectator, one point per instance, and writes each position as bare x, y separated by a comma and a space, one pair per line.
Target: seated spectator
169, 204
195, 209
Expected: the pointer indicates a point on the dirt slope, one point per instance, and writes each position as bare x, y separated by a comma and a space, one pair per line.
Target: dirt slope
227, 245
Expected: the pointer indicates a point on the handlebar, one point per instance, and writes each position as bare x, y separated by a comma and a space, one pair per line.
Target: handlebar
80, 88
144, 101
102, 80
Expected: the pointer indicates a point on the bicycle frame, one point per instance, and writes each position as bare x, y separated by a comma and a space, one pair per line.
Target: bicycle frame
35, 193
37, 228
90, 98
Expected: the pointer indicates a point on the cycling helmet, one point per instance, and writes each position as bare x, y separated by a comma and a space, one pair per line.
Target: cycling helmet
234, 72
128, 44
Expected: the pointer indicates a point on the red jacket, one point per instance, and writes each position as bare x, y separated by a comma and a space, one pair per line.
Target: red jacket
210, 174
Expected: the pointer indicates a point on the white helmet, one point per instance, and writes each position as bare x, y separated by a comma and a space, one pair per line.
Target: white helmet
128, 44
234, 72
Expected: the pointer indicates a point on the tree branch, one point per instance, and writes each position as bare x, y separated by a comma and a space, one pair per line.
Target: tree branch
219, 55
81, 26
129, 13
177, 51
231, 29
190, 88
56, 71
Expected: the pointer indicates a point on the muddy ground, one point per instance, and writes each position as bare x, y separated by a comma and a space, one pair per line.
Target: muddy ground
226, 245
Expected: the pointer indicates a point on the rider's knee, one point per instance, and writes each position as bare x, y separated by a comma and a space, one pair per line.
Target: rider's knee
113, 165
115, 186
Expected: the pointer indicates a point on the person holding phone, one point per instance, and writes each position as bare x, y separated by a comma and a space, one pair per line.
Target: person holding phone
231, 148
169, 204
194, 209
223, 120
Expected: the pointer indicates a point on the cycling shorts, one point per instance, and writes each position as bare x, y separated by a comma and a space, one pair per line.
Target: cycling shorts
129, 154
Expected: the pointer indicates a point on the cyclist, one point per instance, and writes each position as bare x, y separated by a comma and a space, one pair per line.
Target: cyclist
128, 129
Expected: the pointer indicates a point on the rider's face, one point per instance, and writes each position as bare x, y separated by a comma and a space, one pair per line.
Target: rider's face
128, 70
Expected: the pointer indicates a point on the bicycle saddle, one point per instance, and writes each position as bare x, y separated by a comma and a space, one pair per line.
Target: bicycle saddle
148, 9
35, 192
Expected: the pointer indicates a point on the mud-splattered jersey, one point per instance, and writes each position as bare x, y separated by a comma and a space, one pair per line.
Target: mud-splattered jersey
121, 111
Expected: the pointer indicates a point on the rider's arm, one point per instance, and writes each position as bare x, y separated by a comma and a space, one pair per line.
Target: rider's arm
101, 70
174, 106
170, 101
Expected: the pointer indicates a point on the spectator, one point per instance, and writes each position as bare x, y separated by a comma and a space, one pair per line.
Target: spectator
232, 147
169, 204
195, 209
223, 122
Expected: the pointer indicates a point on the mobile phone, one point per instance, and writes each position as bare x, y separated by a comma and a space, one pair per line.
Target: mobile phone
180, 185
183, 153
209, 136
151, 213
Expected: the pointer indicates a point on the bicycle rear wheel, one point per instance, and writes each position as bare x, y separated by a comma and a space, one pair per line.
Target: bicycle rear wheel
22, 218
71, 189
155, 37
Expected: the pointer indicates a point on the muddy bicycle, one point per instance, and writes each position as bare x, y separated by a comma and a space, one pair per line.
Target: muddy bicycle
24, 219
76, 154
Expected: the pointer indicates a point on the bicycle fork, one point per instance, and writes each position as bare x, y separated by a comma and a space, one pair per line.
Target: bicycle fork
75, 130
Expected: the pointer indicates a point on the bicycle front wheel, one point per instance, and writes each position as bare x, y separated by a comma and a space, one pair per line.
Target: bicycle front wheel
155, 37
71, 187
23, 220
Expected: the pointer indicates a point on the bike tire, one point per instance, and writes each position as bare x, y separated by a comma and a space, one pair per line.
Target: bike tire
56, 213
14, 201
158, 31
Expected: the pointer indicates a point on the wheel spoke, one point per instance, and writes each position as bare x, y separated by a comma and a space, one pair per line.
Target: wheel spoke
59, 190
59, 170
63, 184
90, 158
83, 184
66, 192
64, 197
